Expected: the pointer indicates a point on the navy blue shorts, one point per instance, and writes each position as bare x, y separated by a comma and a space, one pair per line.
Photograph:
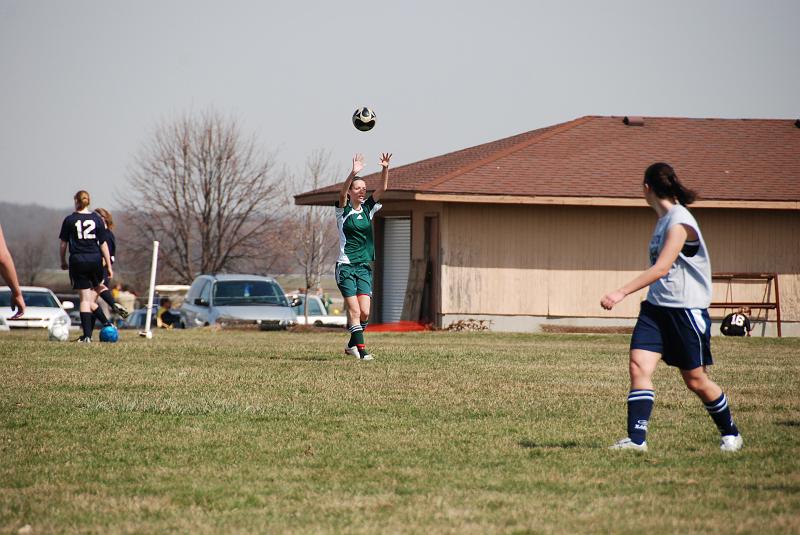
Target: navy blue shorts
681, 335
85, 275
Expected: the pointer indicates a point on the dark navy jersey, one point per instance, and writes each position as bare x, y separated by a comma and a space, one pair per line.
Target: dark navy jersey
736, 324
84, 233
112, 245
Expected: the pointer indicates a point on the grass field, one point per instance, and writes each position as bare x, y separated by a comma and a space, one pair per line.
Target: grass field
226, 432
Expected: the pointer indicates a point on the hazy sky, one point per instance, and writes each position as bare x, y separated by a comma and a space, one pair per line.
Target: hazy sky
83, 84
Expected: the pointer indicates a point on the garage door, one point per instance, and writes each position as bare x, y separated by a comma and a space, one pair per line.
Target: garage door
396, 263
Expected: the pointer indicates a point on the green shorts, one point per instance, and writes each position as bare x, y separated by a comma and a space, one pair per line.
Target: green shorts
354, 279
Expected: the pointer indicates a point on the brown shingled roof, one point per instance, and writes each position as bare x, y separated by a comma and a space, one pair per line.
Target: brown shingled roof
601, 157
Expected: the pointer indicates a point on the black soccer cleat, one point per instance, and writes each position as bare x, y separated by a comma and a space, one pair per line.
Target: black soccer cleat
121, 310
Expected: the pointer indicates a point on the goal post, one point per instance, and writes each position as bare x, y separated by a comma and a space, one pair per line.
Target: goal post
148, 333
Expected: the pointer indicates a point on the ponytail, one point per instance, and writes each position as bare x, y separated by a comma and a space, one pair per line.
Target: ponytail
661, 178
82, 199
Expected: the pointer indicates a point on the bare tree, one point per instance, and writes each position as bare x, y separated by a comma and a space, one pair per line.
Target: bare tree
314, 232
32, 258
205, 192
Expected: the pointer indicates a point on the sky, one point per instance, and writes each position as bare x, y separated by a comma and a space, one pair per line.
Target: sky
84, 84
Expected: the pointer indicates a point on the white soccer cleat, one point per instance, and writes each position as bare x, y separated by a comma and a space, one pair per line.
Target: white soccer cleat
731, 443
628, 444
352, 351
367, 357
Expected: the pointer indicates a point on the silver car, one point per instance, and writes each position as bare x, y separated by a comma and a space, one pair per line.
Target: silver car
237, 300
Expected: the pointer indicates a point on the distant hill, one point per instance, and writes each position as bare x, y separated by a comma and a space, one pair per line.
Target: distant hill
30, 221
31, 232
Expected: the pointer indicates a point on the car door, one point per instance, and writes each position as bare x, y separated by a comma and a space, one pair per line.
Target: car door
190, 309
204, 304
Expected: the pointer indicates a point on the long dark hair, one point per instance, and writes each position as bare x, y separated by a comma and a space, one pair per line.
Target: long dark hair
664, 182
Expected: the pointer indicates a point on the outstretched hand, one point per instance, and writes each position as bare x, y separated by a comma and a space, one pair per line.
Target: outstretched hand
384, 161
358, 163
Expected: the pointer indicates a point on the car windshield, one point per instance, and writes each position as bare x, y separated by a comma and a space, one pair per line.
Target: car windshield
313, 308
32, 299
248, 292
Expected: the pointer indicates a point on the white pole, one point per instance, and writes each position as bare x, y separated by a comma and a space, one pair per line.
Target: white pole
147, 332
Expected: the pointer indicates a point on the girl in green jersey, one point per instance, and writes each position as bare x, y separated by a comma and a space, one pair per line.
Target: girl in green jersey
354, 213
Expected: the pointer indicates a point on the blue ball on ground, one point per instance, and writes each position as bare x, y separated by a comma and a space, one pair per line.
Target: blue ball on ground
109, 333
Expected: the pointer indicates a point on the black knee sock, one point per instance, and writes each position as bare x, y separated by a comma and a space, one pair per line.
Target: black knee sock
356, 336
94, 320
86, 324
100, 315
107, 297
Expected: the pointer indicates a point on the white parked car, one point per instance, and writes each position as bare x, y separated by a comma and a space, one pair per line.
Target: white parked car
42, 308
317, 315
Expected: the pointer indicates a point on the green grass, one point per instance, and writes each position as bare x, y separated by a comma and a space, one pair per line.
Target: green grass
211, 431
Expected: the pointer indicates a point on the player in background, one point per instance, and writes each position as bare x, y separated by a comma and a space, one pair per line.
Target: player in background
84, 233
354, 213
110, 240
9, 273
105, 215
673, 323
737, 323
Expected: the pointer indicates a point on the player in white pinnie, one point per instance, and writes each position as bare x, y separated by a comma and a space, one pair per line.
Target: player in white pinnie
673, 325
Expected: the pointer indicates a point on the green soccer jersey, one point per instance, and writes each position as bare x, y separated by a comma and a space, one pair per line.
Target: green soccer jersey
356, 245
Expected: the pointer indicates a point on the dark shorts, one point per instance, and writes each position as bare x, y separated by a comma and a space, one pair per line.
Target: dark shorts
354, 279
85, 275
681, 335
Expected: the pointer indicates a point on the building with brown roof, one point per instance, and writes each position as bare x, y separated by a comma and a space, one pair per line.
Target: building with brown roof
531, 230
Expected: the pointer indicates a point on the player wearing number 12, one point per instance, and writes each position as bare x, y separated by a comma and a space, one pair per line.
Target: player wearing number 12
84, 233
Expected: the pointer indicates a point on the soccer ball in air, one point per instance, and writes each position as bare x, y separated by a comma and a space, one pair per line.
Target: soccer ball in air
58, 332
109, 333
364, 119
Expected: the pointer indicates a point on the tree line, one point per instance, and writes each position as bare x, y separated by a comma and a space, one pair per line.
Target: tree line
216, 201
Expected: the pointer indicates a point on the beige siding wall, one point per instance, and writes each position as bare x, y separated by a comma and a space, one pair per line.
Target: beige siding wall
558, 261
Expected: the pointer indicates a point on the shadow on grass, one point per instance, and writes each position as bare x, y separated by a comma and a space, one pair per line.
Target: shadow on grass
788, 489
531, 445
789, 423
302, 359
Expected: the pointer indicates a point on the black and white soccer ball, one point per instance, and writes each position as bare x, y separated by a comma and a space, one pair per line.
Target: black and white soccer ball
364, 119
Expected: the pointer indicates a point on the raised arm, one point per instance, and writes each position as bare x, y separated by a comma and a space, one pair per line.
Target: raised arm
676, 237
384, 185
358, 165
